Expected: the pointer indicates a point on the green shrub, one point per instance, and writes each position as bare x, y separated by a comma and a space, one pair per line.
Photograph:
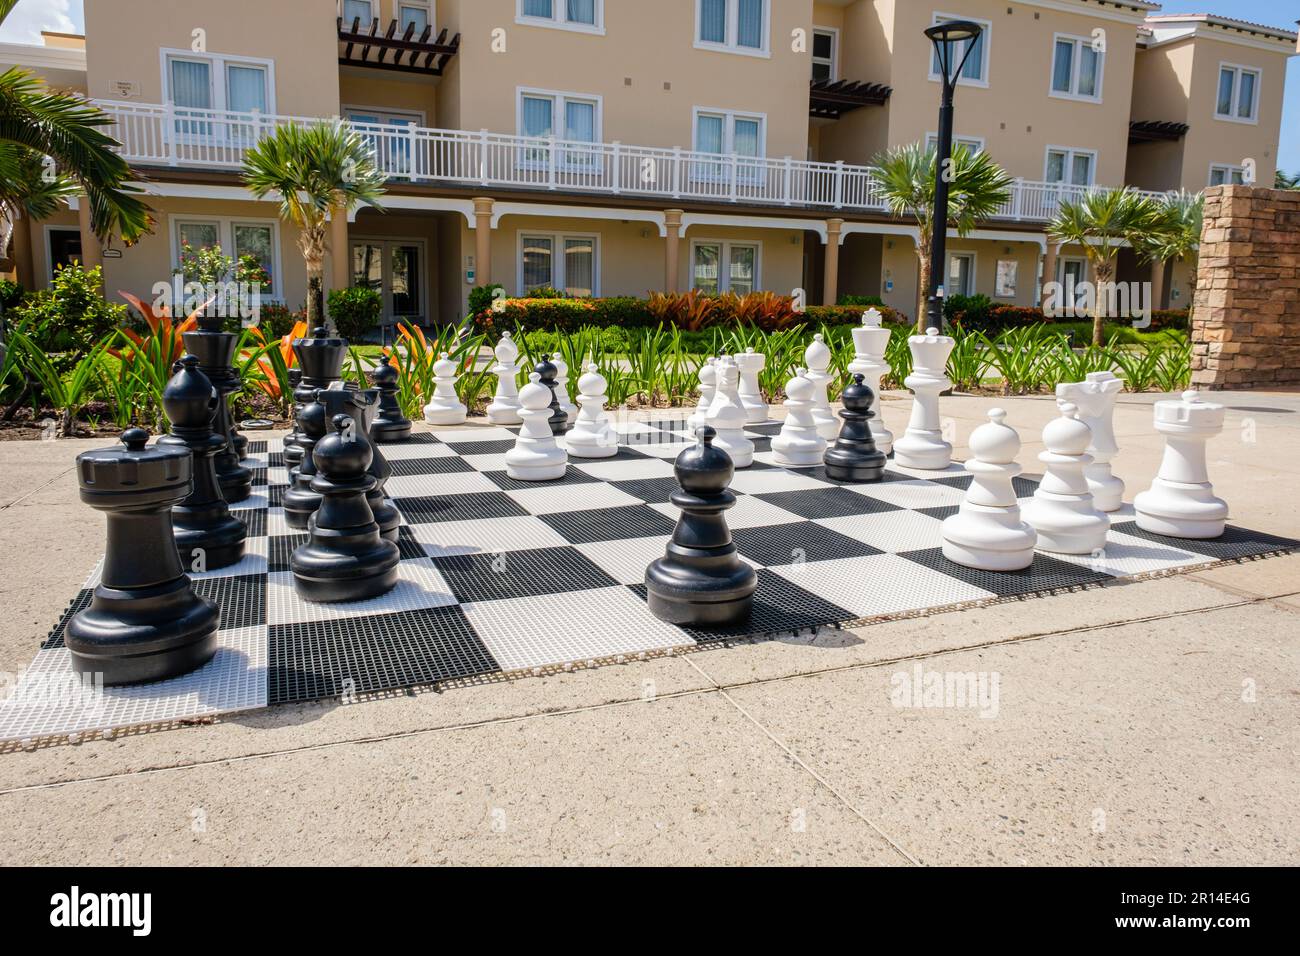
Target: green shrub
11, 293
969, 313
67, 320
355, 311
481, 296
862, 301
545, 292
277, 320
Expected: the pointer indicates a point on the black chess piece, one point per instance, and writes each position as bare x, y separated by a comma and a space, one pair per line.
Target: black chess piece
390, 425
547, 372
291, 453
208, 536
362, 406
144, 622
215, 351
320, 357
854, 456
701, 580
300, 501
346, 559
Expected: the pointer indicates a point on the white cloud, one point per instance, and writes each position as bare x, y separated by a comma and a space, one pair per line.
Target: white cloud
29, 17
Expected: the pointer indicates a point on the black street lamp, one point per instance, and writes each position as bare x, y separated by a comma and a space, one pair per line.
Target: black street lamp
947, 38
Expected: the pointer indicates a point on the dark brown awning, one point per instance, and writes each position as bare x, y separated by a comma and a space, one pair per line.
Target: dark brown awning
832, 98
1155, 131
364, 45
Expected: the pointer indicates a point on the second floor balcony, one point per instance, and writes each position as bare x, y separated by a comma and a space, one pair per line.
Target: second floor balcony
163, 135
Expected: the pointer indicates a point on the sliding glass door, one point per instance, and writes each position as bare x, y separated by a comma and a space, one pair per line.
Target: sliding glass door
395, 268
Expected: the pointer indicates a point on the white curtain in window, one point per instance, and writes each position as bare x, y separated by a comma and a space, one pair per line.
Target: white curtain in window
974, 67
750, 28
199, 235
1063, 69
1224, 106
1082, 170
537, 116
538, 8
1055, 167
742, 269
581, 11
192, 84
708, 134
419, 16
580, 121
537, 261
713, 21
705, 268
1246, 99
579, 266
745, 137
357, 10
1089, 60
246, 89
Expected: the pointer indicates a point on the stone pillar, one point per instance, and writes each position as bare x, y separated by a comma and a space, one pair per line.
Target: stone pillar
20, 251
831, 273
483, 241
340, 276
1246, 313
1048, 265
1157, 284
92, 251
672, 248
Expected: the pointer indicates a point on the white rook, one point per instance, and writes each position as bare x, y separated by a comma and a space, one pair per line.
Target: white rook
922, 445
1181, 501
750, 364
1095, 399
870, 340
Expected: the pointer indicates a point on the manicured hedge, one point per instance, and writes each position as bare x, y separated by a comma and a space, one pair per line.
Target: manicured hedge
1001, 317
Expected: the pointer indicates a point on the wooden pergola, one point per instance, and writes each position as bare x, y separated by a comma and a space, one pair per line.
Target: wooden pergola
366, 46
830, 99
1155, 131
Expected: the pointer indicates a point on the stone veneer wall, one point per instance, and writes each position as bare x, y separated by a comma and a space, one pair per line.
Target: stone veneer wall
1246, 315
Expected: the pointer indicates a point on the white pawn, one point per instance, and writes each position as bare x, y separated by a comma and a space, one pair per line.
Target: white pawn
922, 445
592, 436
536, 456
799, 444
727, 416
1181, 501
504, 408
444, 408
562, 387
750, 364
1095, 399
708, 389
818, 359
869, 343
987, 532
1062, 511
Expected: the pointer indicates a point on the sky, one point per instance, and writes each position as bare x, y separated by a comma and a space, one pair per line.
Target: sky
29, 17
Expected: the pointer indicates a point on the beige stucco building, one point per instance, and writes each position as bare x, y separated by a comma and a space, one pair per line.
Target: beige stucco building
614, 148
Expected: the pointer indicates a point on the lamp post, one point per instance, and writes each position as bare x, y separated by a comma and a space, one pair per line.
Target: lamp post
946, 37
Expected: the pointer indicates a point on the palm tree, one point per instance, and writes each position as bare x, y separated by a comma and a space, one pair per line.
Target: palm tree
1176, 236
319, 172
978, 187
52, 147
1101, 221
1282, 181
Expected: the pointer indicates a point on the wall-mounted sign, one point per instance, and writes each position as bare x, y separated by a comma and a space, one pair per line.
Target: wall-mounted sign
125, 89
112, 253
1005, 287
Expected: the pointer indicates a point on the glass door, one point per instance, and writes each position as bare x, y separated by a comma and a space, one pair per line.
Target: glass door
395, 269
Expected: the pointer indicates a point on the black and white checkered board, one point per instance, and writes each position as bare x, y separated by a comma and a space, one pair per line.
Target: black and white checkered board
502, 576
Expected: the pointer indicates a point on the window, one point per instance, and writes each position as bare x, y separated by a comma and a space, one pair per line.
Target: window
1238, 98
258, 238
574, 119
1077, 67
718, 266
824, 50
976, 70
566, 262
1071, 274
961, 274
62, 248
392, 151
735, 26
198, 84
973, 143
585, 16
727, 133
1224, 174
1073, 167
414, 14
395, 269
358, 10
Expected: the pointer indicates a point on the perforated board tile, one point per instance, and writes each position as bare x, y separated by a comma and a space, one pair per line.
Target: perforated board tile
572, 476
1125, 555
625, 469
792, 543
486, 462
279, 548
890, 531
258, 499
1234, 543
486, 536
483, 577
404, 451
253, 562
456, 483
882, 584
545, 499
419, 585
406, 467
755, 481
609, 524
472, 448
464, 434
817, 503
649, 490
625, 561
430, 508
910, 494
572, 627
1046, 573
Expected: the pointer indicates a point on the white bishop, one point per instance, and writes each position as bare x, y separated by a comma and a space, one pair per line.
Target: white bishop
870, 340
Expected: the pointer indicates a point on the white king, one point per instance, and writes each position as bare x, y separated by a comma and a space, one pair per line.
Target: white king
870, 340
1181, 501
922, 445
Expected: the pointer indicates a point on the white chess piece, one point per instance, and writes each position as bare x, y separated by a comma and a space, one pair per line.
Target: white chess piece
562, 387
1095, 399
1181, 501
592, 436
922, 445
504, 408
727, 416
708, 389
536, 456
799, 444
818, 359
444, 407
1062, 511
869, 343
988, 532
750, 364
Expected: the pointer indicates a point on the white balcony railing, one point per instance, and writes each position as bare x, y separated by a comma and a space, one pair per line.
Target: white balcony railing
172, 136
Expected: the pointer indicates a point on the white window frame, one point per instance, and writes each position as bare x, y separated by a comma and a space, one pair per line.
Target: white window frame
730, 45
983, 81
431, 12
217, 63
834, 33
558, 20
226, 239
699, 169
374, 13
1075, 67
557, 257
932, 141
974, 271
49, 248
1238, 69
558, 98
1070, 153
724, 261
1228, 169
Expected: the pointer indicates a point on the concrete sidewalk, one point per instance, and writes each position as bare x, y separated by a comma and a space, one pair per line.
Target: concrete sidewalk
1148, 723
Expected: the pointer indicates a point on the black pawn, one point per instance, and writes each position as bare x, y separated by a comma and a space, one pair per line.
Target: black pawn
292, 454
299, 500
363, 406
701, 580
208, 536
390, 425
854, 456
145, 622
215, 350
546, 372
346, 559
320, 357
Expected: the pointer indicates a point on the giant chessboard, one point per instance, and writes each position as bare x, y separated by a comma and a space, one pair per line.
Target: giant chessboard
502, 577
